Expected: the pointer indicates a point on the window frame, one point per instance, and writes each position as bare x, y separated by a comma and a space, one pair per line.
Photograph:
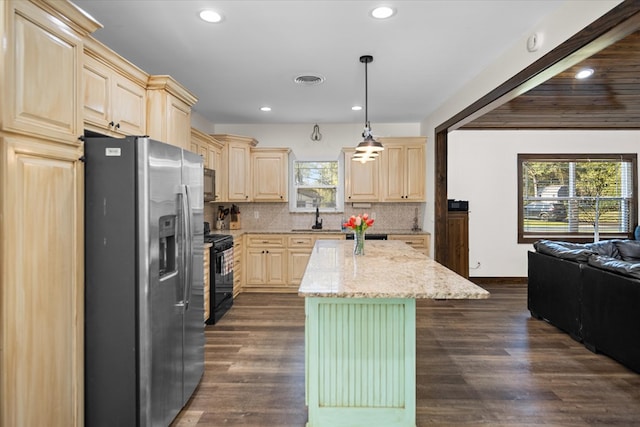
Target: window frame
293, 207
529, 237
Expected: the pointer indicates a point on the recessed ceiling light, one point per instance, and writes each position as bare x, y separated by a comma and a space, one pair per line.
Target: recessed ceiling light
209, 15
265, 108
356, 108
383, 12
584, 73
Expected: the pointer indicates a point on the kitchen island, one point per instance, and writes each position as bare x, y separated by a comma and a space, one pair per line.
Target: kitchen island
360, 330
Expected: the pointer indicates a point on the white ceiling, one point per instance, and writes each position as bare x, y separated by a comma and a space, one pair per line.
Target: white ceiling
422, 55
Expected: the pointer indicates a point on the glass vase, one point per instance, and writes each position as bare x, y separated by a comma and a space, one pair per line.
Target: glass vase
358, 242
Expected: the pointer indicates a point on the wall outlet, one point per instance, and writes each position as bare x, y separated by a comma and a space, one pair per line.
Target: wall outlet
256, 214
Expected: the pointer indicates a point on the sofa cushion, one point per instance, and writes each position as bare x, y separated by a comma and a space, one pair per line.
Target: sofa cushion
565, 250
604, 247
626, 268
629, 249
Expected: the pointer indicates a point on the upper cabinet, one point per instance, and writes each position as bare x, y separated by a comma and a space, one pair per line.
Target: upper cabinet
236, 159
211, 151
42, 53
270, 167
114, 92
403, 165
361, 180
169, 111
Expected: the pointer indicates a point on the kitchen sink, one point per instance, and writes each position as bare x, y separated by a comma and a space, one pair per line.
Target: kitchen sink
313, 230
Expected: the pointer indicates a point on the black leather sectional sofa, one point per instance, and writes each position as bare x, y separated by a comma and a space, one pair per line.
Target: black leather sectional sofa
592, 292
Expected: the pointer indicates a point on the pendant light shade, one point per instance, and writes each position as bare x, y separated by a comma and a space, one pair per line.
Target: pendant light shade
369, 148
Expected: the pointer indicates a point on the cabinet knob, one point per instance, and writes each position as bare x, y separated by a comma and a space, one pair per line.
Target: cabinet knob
111, 123
246, 197
117, 125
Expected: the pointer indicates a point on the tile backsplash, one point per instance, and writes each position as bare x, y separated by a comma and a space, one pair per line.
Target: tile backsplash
276, 216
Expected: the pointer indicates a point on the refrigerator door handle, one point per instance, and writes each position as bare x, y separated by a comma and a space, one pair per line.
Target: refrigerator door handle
188, 218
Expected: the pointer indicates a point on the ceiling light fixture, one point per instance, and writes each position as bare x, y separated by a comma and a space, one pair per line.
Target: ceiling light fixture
365, 149
383, 12
356, 108
584, 73
316, 135
211, 16
265, 109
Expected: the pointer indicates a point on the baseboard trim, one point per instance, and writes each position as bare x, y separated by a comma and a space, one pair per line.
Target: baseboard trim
499, 280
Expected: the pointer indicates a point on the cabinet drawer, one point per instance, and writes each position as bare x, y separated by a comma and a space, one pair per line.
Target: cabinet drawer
265, 240
301, 241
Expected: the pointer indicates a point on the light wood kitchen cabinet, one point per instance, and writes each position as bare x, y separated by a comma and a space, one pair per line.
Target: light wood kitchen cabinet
210, 150
270, 168
299, 247
419, 242
41, 206
41, 59
207, 281
42, 311
361, 180
403, 165
236, 159
238, 264
169, 111
114, 93
265, 257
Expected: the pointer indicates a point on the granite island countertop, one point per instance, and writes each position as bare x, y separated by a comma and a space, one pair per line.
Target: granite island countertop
390, 269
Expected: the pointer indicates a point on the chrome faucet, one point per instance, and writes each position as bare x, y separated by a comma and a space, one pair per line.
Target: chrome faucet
318, 224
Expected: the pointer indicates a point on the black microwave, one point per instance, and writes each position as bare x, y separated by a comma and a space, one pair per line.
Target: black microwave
209, 185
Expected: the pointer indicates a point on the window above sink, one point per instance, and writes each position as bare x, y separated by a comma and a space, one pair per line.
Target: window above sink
316, 184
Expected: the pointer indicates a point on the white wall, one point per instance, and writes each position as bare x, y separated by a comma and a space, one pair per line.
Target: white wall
566, 21
482, 168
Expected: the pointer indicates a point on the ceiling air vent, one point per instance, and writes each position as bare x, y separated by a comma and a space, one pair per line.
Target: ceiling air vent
308, 80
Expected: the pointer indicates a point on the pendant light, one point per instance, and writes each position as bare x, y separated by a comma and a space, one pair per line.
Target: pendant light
369, 148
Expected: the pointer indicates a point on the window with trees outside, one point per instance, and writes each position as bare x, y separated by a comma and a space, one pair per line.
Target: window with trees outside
576, 197
315, 184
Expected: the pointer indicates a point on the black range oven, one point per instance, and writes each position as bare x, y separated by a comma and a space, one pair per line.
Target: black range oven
221, 291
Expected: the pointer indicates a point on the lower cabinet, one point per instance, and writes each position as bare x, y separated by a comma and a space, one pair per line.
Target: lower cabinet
265, 262
277, 262
419, 242
238, 265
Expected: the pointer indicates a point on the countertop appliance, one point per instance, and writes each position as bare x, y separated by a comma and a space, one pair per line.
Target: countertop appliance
221, 292
144, 331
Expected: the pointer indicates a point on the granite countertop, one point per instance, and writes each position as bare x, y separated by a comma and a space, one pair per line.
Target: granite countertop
320, 232
390, 269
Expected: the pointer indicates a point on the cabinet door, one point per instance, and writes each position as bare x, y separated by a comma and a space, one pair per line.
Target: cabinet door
458, 242
276, 267
42, 88
297, 264
128, 107
96, 92
207, 282
361, 180
269, 177
415, 165
239, 184
178, 123
393, 161
42, 309
255, 267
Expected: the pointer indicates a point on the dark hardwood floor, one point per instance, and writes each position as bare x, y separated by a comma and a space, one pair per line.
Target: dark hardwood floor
479, 362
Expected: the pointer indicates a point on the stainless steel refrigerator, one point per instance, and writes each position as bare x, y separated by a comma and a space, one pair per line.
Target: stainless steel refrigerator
144, 313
